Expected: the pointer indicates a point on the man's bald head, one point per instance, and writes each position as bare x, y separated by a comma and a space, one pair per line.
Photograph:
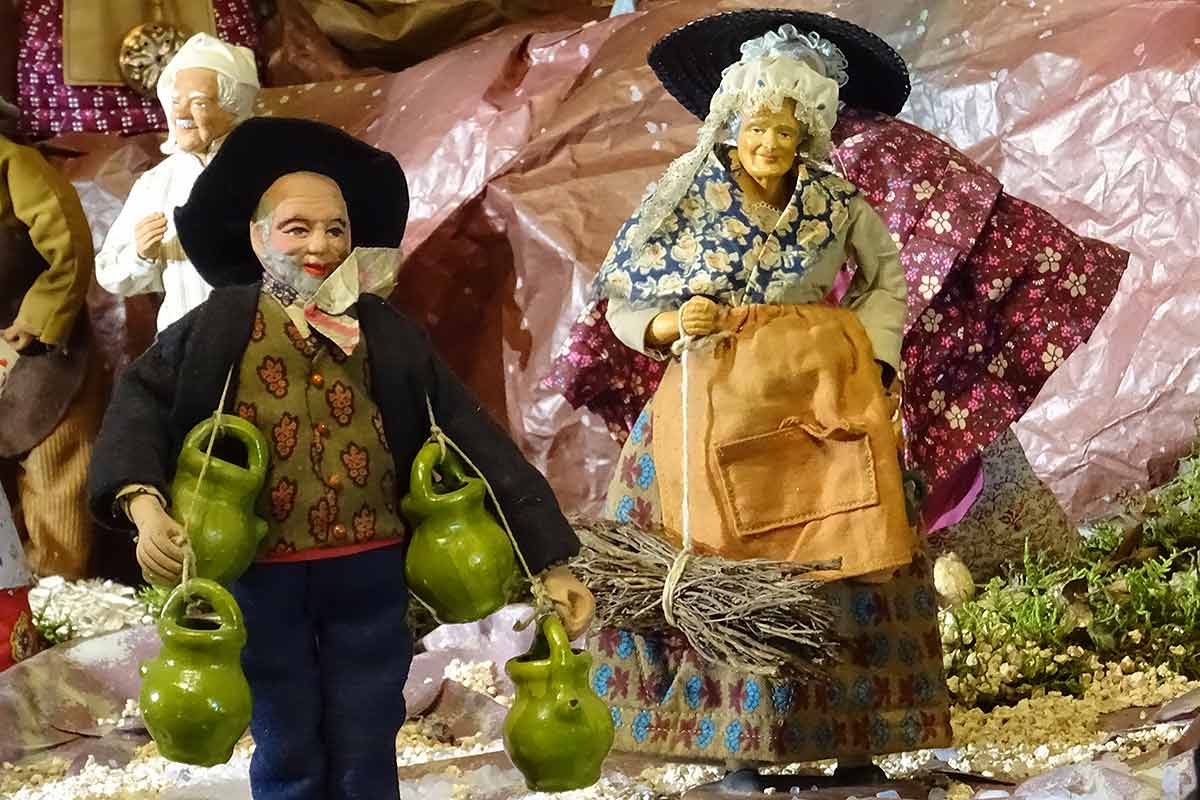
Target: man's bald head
298, 184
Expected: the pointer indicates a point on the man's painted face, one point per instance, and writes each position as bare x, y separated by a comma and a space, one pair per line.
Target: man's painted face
302, 232
198, 118
768, 140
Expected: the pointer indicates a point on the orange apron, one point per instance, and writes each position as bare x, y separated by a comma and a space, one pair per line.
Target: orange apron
791, 448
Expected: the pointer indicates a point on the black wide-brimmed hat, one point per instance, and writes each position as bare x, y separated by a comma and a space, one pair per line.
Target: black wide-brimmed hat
689, 60
214, 224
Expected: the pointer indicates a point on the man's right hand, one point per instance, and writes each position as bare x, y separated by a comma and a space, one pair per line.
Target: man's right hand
148, 234
160, 540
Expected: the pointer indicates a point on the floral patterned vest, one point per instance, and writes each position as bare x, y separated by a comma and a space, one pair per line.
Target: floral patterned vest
331, 485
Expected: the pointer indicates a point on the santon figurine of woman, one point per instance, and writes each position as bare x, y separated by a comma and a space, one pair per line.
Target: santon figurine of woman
773, 435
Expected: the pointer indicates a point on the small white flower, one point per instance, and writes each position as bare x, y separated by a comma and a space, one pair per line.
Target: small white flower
937, 402
718, 260
975, 348
999, 288
924, 190
620, 283
998, 365
1052, 359
957, 167
939, 221
931, 320
930, 286
957, 417
1076, 284
670, 284
1049, 260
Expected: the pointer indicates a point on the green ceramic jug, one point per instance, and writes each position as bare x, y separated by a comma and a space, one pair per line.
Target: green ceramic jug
195, 698
225, 533
558, 731
460, 562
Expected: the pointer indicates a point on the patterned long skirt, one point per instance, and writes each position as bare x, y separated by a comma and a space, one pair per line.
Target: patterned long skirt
887, 693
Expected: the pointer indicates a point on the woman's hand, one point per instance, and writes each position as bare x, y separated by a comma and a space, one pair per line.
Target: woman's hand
699, 319
700, 316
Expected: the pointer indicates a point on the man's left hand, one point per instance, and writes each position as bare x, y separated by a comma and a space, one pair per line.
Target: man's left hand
18, 336
572, 600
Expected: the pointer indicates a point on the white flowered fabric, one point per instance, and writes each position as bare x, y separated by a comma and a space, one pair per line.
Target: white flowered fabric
715, 245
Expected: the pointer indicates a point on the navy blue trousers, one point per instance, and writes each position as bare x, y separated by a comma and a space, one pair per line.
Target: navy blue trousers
327, 656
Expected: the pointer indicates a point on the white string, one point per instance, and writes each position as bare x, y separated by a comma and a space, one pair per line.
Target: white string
542, 602
682, 346
188, 524
683, 392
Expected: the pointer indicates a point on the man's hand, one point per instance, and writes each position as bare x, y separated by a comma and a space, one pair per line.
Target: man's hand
148, 234
160, 540
699, 316
572, 600
18, 336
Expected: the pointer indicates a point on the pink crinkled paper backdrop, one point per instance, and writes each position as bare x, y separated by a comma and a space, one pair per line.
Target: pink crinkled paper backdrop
1121, 162
1087, 109
526, 148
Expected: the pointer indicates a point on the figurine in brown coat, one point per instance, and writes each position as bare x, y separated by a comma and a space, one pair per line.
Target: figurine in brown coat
51, 400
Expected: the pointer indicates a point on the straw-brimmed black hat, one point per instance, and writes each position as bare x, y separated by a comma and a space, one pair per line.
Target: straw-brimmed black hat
689, 60
214, 224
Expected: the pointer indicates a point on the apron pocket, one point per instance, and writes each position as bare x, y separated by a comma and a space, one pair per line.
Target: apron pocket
795, 475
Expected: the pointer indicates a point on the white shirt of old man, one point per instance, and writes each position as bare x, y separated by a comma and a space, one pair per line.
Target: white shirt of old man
208, 87
119, 268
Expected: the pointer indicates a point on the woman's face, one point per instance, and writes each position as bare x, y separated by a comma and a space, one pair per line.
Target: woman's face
768, 140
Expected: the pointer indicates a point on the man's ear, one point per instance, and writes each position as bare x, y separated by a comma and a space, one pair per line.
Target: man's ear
256, 238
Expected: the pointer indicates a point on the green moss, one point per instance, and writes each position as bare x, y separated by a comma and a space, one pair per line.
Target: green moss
53, 631
155, 597
1132, 591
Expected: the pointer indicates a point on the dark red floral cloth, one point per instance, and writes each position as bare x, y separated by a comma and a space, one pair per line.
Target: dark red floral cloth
50, 107
1000, 294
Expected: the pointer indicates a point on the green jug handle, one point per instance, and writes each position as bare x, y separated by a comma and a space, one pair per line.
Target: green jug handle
217, 596
452, 467
422, 493
552, 629
251, 437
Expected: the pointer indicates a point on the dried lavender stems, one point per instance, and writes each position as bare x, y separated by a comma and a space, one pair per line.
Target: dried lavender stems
762, 617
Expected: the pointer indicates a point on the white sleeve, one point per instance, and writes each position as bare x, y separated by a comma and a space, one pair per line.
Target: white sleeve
629, 326
119, 269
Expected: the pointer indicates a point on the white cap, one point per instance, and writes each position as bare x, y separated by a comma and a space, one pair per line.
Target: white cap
208, 52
